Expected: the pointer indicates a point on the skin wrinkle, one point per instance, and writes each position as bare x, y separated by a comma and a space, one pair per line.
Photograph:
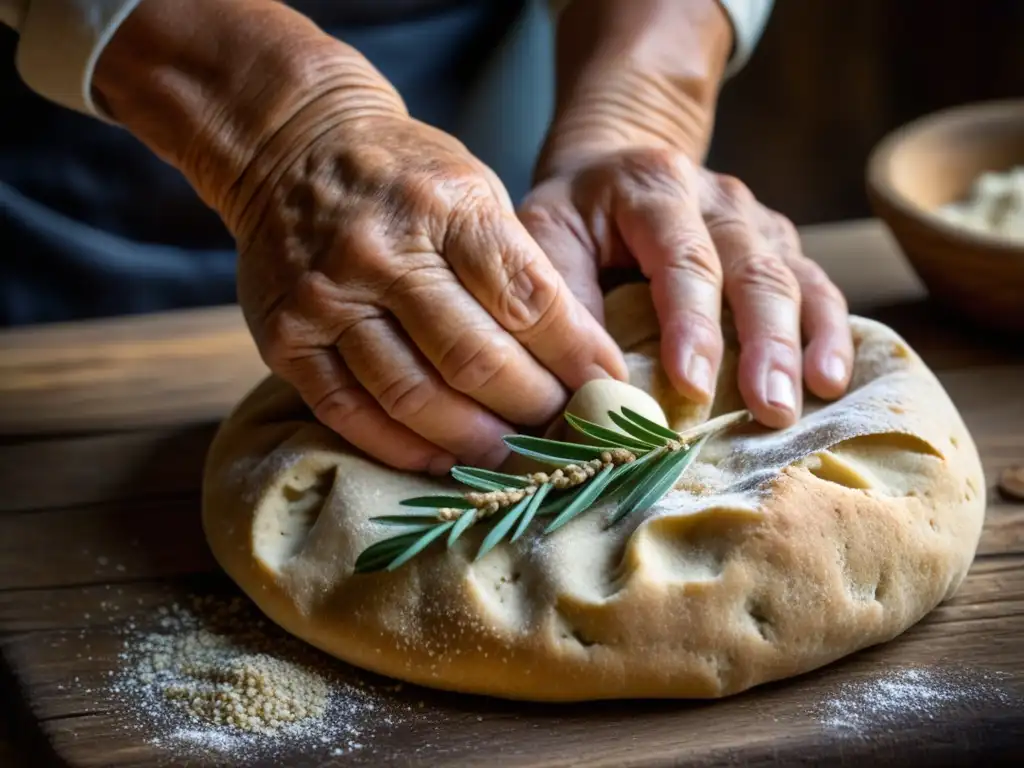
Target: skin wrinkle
342, 402
316, 141
513, 312
273, 177
562, 215
697, 262
413, 387
479, 375
472, 198
544, 319
515, 296
410, 385
646, 179
614, 118
764, 273
345, 90
379, 187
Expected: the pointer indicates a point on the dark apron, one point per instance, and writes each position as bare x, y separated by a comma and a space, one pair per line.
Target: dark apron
92, 224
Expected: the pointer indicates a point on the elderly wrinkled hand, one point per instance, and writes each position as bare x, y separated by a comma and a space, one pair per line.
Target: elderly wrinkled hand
701, 237
383, 273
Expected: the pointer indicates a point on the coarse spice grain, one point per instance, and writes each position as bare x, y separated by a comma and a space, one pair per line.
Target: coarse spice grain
221, 669
211, 675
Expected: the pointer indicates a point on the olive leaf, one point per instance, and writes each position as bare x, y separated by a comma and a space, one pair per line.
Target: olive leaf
634, 469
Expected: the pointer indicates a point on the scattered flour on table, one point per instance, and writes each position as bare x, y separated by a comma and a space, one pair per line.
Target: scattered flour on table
904, 695
215, 677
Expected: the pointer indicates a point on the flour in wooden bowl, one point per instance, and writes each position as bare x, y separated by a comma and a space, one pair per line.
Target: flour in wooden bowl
995, 205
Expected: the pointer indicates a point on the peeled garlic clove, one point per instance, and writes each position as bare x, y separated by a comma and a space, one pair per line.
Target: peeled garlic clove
595, 398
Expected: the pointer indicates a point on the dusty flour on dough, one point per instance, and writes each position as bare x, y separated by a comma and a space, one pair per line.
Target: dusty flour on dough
779, 552
902, 696
214, 677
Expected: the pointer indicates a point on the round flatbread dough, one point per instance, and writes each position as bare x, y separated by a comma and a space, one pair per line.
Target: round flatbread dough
778, 552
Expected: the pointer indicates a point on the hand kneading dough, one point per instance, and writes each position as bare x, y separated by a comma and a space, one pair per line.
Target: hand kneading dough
778, 552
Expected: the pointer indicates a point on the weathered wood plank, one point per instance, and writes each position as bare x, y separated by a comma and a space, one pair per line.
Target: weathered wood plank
119, 373
86, 517
107, 543
969, 648
88, 469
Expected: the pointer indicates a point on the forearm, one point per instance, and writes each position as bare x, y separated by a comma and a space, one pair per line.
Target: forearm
636, 73
206, 85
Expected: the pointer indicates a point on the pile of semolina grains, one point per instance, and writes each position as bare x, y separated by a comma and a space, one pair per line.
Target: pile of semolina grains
212, 674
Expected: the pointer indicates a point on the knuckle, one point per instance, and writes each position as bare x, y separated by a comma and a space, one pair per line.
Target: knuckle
407, 396
464, 194
412, 194
539, 217
698, 324
654, 170
280, 334
339, 408
815, 282
472, 229
527, 297
733, 190
787, 229
696, 258
766, 274
473, 361
654, 160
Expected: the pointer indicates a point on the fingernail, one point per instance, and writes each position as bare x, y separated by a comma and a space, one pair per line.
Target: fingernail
781, 392
698, 373
834, 369
441, 464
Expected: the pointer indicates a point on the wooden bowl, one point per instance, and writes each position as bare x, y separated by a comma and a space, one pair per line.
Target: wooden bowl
933, 161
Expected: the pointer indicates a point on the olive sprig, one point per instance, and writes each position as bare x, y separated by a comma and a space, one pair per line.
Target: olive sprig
634, 468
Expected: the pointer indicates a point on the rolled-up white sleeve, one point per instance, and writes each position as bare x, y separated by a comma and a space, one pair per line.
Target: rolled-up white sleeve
59, 43
748, 18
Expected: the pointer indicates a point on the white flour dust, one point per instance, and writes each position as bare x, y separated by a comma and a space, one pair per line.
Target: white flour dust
212, 679
903, 696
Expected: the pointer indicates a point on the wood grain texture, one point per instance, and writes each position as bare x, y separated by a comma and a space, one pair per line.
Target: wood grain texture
968, 648
120, 560
83, 469
103, 432
124, 373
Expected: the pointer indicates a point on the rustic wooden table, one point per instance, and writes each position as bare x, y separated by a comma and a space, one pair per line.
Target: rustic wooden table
103, 428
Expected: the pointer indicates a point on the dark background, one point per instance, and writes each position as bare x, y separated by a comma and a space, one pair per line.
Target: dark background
831, 77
